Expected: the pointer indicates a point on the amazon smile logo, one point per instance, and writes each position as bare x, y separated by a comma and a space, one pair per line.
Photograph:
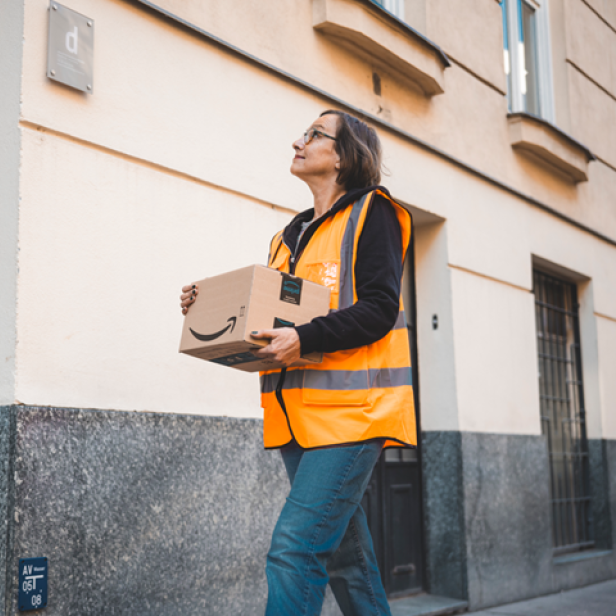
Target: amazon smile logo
291, 287
210, 337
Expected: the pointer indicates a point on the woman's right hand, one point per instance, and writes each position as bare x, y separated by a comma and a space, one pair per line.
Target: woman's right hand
189, 294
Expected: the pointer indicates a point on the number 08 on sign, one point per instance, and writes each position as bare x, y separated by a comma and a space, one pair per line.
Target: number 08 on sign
32, 583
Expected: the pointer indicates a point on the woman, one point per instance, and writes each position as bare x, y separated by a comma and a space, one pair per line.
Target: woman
331, 420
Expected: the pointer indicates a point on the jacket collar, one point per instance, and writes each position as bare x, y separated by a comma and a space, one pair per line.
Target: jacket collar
292, 230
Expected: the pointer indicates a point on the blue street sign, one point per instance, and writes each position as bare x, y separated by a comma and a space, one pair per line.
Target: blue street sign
32, 583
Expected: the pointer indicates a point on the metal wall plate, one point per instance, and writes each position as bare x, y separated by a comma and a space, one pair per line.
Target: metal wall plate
32, 583
70, 52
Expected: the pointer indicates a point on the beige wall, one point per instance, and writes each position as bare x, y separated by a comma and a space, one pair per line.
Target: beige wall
606, 9
177, 168
586, 62
496, 355
468, 121
591, 44
593, 113
11, 35
106, 243
471, 35
437, 368
169, 99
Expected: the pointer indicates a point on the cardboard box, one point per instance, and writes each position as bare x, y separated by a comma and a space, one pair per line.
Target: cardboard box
230, 306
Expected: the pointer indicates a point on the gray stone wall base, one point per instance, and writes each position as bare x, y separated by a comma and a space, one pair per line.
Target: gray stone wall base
164, 514
508, 525
507, 517
443, 514
5, 497
598, 458
143, 513
610, 456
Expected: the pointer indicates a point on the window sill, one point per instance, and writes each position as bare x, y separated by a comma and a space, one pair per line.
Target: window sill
575, 557
530, 134
367, 29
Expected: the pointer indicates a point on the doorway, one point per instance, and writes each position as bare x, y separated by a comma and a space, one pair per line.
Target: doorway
392, 501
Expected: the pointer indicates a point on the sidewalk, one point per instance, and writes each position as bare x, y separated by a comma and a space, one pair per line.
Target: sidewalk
595, 600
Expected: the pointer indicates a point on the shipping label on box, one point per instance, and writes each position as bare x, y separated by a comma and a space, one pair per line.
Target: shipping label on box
230, 306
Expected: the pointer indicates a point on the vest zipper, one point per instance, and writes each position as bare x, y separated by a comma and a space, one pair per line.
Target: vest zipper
280, 385
298, 253
292, 258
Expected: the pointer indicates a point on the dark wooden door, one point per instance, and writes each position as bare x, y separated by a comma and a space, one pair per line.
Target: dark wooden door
392, 503
393, 498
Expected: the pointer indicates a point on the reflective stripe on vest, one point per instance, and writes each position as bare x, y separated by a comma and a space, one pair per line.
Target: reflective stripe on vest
338, 379
400, 319
346, 255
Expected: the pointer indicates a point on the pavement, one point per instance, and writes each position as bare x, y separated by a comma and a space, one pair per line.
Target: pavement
595, 600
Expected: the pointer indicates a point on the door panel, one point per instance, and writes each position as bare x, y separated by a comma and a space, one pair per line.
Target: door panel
393, 498
403, 545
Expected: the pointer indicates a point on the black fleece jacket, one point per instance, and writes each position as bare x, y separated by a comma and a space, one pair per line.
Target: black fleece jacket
378, 274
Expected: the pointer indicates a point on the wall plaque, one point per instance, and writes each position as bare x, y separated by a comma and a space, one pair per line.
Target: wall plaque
70, 52
32, 583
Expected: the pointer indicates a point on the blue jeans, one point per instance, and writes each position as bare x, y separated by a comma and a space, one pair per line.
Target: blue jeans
322, 535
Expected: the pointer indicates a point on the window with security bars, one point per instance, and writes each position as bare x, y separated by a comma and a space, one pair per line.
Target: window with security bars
562, 410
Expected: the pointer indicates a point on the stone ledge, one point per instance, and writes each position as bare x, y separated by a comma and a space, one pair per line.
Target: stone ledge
566, 559
427, 605
537, 136
367, 29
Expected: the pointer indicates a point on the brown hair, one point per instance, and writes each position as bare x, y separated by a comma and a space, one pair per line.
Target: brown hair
360, 152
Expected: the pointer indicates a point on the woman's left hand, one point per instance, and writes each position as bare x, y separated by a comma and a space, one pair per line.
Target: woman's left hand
284, 346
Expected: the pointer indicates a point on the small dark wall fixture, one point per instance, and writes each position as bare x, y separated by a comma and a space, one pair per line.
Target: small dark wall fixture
376, 83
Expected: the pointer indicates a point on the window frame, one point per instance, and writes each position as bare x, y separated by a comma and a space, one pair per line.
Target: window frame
563, 410
395, 7
545, 90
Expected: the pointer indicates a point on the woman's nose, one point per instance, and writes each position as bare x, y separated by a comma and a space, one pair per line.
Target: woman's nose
298, 144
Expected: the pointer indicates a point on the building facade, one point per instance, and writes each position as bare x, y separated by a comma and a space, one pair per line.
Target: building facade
140, 473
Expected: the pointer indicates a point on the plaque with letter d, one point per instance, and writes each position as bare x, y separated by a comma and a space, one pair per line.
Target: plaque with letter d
32, 583
70, 52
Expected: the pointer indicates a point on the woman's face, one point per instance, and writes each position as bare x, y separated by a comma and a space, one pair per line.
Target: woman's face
317, 160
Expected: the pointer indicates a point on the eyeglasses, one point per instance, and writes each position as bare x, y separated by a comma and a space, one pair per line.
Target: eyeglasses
310, 134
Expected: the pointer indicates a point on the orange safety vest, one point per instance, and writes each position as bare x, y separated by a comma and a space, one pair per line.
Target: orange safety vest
353, 395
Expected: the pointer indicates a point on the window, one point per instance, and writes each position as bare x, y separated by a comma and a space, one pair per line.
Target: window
527, 57
396, 7
563, 418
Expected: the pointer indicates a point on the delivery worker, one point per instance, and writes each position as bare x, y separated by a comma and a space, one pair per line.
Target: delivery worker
331, 420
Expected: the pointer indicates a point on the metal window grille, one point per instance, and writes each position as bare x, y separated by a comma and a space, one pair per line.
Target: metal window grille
562, 411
